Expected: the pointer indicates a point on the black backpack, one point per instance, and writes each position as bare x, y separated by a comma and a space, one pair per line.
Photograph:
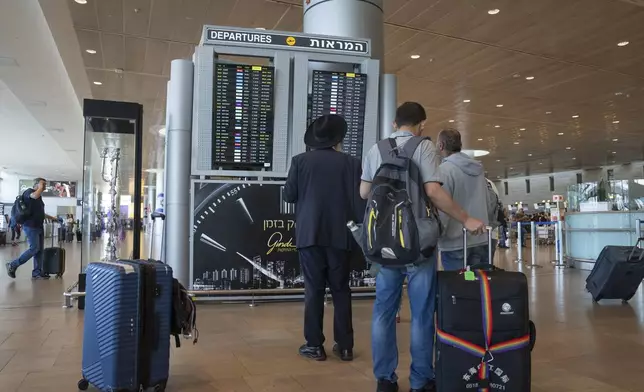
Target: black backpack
401, 226
21, 210
184, 315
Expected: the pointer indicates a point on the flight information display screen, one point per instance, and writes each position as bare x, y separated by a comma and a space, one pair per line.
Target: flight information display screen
344, 94
242, 123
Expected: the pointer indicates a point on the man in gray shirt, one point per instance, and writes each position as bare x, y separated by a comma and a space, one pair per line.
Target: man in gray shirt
464, 180
421, 277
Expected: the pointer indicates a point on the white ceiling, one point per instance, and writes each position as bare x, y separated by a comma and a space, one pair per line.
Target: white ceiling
40, 117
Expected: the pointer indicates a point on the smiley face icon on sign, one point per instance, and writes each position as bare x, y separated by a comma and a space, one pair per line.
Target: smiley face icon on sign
290, 41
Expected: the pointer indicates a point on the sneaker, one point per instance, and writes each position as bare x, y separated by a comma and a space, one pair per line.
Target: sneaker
10, 271
315, 353
387, 386
429, 387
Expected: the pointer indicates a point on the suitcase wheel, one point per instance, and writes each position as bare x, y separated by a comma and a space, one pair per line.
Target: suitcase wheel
83, 384
624, 301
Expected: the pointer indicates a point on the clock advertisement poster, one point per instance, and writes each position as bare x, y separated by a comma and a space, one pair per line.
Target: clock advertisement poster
244, 238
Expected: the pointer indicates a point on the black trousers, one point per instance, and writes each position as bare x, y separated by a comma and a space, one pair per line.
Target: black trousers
320, 266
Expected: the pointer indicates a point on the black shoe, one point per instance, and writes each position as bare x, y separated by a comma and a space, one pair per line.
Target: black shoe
10, 271
387, 386
345, 355
430, 387
315, 353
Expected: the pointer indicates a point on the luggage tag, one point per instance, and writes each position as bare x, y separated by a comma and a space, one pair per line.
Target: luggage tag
469, 275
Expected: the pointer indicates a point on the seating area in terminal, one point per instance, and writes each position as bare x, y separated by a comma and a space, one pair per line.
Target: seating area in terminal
317, 195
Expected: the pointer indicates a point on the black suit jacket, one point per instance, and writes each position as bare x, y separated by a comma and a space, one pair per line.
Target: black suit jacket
324, 185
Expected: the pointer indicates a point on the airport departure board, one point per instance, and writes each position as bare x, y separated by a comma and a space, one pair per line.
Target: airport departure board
344, 94
242, 123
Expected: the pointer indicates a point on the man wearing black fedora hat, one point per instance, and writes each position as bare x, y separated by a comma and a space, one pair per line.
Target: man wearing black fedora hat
323, 183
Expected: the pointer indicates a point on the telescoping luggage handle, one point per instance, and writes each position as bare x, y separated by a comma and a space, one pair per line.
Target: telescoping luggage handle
489, 246
630, 257
154, 217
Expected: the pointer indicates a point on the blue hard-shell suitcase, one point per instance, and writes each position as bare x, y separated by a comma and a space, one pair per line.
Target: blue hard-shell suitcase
126, 336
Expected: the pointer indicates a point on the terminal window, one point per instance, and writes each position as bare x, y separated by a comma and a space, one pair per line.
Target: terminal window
243, 119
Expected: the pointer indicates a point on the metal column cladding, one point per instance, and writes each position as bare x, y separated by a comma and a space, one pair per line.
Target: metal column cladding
347, 18
178, 149
357, 19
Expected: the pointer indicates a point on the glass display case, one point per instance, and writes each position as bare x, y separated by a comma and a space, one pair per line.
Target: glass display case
112, 211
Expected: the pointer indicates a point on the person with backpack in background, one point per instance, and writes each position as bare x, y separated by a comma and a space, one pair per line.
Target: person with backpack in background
29, 210
464, 180
401, 183
323, 183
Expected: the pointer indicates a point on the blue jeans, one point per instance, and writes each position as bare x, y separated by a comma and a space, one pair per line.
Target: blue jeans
36, 239
421, 288
453, 260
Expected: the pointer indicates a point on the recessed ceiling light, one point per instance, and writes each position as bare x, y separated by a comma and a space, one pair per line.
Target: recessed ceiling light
497, 126
560, 133
541, 163
415, 56
616, 122
476, 153
623, 43
529, 155
90, 51
81, 1
98, 83
451, 121
575, 116
511, 168
615, 140
499, 105
493, 11
480, 139
498, 160
521, 129
529, 78
613, 152
466, 101
619, 93
516, 142
568, 148
516, 75
573, 158
548, 112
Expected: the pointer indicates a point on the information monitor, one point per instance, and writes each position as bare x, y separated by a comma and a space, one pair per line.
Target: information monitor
344, 94
243, 118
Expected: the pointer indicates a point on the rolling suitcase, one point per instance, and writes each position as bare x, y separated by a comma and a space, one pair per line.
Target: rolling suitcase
126, 345
3, 238
617, 274
79, 236
484, 334
53, 260
70, 235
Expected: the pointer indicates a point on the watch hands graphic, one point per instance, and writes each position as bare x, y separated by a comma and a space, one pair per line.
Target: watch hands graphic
235, 247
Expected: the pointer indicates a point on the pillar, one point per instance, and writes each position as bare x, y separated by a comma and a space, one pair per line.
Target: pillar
356, 19
178, 151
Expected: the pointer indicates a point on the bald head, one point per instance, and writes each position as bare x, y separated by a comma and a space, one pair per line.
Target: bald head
449, 142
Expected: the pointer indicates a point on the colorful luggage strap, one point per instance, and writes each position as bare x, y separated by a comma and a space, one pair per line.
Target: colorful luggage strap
485, 353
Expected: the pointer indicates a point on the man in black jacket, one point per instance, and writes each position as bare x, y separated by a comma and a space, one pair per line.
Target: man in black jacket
324, 184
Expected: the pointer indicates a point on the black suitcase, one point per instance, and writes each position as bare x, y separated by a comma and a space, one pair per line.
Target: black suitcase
618, 273
3, 238
79, 235
484, 333
53, 260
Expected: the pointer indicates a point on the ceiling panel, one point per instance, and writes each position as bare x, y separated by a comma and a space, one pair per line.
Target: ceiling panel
568, 48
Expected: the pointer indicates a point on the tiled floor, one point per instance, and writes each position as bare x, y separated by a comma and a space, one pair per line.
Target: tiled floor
580, 346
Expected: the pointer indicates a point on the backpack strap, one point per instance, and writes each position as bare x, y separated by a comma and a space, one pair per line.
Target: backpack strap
389, 151
412, 144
